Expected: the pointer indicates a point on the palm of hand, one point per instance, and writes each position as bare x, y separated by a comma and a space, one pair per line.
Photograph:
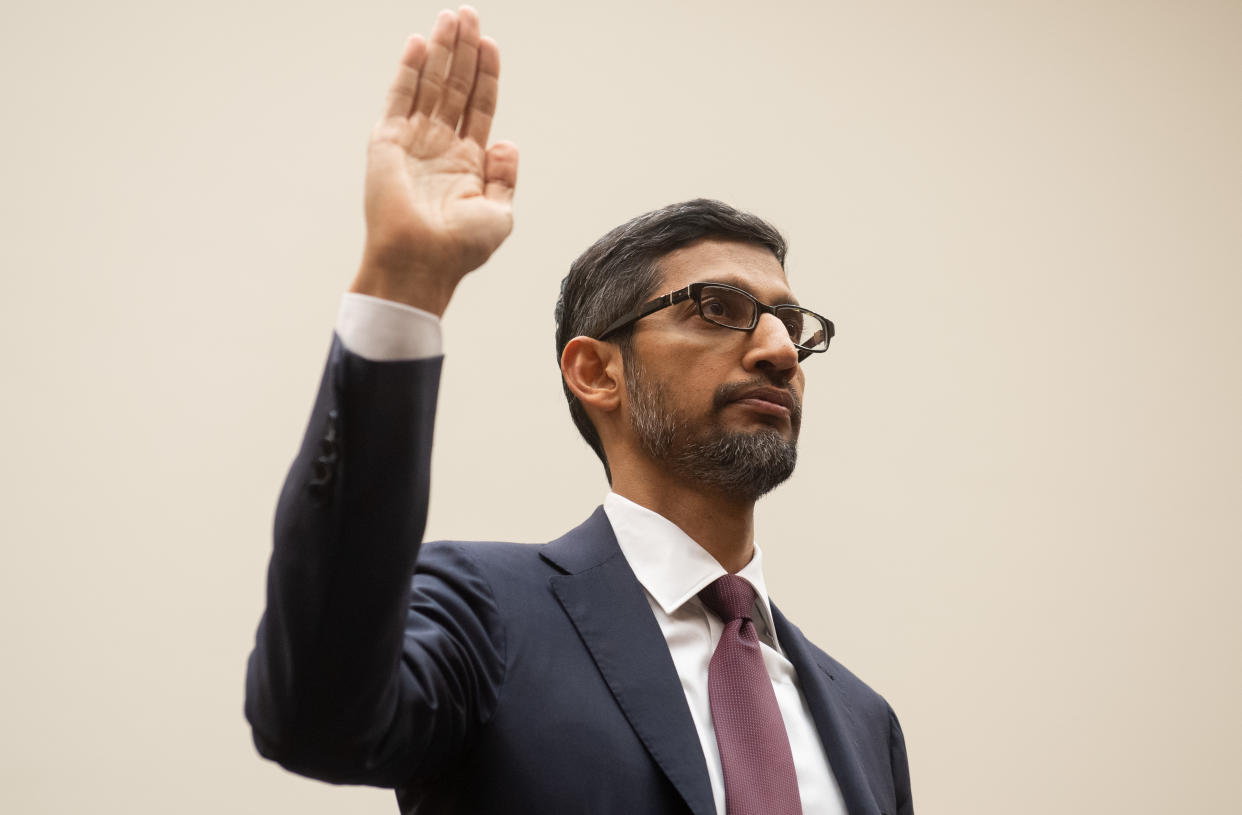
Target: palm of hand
426, 197
438, 201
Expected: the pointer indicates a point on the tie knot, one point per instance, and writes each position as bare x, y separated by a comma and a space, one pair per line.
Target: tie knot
729, 598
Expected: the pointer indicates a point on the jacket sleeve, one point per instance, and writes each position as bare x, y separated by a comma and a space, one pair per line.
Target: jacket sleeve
354, 678
901, 766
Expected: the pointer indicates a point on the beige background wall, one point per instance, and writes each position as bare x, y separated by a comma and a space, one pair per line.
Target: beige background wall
1018, 512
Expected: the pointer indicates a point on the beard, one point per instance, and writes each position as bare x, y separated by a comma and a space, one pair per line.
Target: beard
742, 464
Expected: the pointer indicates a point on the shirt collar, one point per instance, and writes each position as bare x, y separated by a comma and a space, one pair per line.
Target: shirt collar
669, 564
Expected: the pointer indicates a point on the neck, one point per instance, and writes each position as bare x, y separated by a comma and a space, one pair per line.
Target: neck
723, 524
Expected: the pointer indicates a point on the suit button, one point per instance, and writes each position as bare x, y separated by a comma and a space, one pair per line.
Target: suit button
324, 466
323, 473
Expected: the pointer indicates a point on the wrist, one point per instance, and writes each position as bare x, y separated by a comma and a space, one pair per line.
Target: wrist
418, 287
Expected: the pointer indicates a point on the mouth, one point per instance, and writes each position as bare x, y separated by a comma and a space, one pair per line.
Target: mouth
769, 401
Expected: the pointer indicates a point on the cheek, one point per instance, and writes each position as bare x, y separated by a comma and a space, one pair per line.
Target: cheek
704, 382
689, 388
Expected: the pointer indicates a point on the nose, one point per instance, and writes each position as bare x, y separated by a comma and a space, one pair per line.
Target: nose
770, 349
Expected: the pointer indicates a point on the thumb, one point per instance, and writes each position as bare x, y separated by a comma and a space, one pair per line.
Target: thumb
500, 165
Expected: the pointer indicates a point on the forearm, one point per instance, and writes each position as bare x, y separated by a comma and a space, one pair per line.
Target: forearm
324, 677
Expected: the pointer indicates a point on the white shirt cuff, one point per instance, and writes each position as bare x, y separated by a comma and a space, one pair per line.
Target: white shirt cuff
385, 331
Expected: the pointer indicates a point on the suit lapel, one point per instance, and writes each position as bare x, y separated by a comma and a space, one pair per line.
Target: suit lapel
837, 729
607, 605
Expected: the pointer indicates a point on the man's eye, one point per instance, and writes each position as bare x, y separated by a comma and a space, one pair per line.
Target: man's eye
726, 308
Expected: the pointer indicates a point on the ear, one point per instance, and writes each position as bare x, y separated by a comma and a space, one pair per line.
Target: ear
593, 372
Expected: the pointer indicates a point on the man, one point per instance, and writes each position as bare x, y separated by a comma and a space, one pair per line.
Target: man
634, 665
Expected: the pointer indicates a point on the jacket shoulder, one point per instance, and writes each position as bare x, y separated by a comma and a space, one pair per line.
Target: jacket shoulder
485, 556
498, 567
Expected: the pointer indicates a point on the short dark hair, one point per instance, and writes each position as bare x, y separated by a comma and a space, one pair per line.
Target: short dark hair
622, 269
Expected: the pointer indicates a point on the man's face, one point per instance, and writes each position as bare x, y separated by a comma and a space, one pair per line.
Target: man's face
718, 407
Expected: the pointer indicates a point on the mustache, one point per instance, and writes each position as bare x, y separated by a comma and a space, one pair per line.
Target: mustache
730, 392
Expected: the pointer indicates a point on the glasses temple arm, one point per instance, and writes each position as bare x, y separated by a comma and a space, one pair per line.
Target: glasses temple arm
649, 307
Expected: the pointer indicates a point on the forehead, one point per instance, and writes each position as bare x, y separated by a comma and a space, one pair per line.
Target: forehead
745, 265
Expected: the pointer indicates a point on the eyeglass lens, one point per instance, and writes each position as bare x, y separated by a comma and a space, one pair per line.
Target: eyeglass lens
735, 309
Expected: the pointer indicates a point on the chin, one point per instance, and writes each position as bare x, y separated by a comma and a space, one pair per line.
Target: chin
745, 464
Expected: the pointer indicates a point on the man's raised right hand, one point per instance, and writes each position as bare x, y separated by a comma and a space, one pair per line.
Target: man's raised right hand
438, 200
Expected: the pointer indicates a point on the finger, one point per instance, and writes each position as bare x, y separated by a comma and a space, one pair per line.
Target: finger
461, 71
477, 122
436, 66
500, 165
405, 85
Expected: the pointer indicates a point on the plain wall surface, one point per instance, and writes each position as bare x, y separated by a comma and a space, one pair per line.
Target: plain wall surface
1018, 506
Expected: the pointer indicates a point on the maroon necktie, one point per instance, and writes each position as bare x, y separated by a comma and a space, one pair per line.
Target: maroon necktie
759, 775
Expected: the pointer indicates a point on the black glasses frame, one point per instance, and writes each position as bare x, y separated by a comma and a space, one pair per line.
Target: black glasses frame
695, 291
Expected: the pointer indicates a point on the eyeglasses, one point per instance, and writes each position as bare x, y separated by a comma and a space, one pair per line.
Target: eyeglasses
730, 307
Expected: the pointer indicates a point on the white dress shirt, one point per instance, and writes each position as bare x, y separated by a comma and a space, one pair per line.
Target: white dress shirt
671, 567
385, 331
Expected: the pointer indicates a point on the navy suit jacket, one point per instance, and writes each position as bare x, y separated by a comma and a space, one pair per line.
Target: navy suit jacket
488, 677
